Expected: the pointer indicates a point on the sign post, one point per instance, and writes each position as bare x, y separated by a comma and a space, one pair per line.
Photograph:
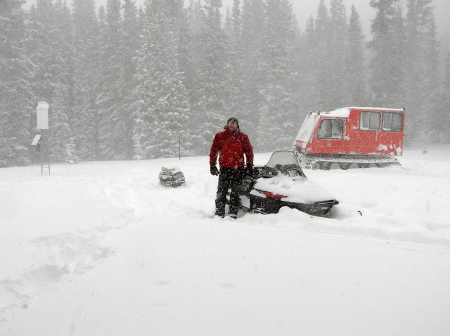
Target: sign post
41, 141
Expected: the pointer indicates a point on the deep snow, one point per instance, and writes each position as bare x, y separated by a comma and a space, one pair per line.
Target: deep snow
100, 248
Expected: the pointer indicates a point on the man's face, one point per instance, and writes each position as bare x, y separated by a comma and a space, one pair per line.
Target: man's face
232, 126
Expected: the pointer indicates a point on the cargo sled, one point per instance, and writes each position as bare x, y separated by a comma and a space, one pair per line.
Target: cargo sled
171, 177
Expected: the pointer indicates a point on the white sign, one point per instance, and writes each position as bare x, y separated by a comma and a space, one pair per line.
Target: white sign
42, 115
36, 140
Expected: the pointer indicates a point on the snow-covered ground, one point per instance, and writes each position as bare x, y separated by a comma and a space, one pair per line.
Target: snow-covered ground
100, 248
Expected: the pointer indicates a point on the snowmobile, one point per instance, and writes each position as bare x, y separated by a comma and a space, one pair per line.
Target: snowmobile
282, 182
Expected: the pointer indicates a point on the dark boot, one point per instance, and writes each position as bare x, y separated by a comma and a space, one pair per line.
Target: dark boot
235, 201
221, 195
220, 209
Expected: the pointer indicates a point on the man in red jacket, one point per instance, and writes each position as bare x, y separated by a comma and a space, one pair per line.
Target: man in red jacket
230, 145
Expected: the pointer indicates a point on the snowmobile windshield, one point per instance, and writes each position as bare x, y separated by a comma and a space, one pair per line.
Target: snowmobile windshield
282, 158
287, 163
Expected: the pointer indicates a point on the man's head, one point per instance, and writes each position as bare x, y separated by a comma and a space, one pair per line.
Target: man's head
232, 124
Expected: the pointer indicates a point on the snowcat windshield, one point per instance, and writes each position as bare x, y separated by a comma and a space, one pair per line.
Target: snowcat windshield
307, 128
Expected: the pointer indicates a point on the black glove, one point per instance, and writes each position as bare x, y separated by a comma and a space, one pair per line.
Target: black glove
248, 170
213, 169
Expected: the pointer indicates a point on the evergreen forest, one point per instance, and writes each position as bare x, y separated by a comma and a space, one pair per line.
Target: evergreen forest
140, 82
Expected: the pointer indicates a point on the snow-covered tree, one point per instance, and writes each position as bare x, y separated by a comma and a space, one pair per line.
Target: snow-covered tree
41, 48
387, 52
187, 45
278, 101
444, 109
355, 77
112, 123
337, 55
86, 72
235, 102
62, 100
306, 65
16, 103
128, 49
164, 113
194, 15
322, 64
212, 76
50, 50
253, 30
421, 71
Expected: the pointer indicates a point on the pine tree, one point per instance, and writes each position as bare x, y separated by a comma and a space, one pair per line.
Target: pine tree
323, 66
194, 15
16, 103
62, 100
278, 103
42, 49
435, 128
421, 71
143, 118
212, 76
253, 30
307, 67
110, 113
235, 103
355, 71
86, 66
129, 46
444, 109
49, 49
186, 59
228, 23
163, 93
387, 53
336, 53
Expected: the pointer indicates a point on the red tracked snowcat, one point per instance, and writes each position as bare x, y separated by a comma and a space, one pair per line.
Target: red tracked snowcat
351, 137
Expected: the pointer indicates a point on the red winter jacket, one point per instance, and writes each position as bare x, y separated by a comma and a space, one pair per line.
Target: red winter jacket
231, 148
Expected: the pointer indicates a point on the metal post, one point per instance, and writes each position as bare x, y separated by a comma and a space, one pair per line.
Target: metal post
42, 125
41, 148
45, 156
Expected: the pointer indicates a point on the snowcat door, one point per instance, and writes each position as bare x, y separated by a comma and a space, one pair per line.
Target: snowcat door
329, 138
370, 135
392, 133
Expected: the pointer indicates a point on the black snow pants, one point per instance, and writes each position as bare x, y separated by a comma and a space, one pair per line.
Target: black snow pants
229, 178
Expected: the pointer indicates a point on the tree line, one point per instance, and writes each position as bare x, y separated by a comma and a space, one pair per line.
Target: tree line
127, 82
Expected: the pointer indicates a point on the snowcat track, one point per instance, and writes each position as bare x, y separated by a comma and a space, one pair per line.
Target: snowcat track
326, 162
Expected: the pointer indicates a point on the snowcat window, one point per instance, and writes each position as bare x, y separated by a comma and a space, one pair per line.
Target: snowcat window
392, 121
370, 121
331, 129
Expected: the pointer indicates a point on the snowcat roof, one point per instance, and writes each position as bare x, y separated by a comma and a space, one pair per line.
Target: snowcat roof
344, 112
